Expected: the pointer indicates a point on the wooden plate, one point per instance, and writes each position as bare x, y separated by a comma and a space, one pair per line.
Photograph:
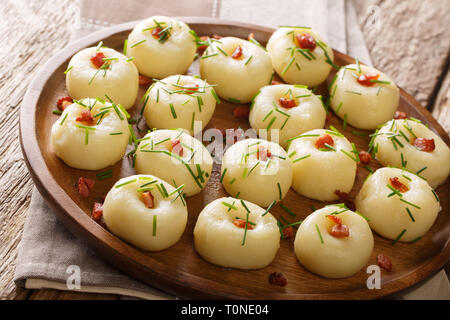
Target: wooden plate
180, 270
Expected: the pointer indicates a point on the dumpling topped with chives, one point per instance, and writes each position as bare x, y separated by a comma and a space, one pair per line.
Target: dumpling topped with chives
91, 134
399, 205
99, 71
237, 234
289, 109
146, 211
324, 164
409, 143
300, 56
180, 102
238, 67
363, 96
161, 46
175, 156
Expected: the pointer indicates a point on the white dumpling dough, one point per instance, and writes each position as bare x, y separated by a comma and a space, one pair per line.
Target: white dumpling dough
120, 81
188, 107
152, 158
388, 215
159, 59
260, 181
321, 173
219, 241
103, 146
127, 216
292, 66
365, 107
335, 257
437, 162
289, 122
235, 79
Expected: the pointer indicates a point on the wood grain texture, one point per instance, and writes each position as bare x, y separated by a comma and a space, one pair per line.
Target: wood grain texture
441, 109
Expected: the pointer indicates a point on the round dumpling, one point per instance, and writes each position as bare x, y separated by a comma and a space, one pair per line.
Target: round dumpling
408, 143
365, 98
175, 156
234, 233
146, 212
179, 102
286, 111
90, 134
238, 68
256, 170
300, 56
324, 162
399, 205
334, 242
161, 47
96, 72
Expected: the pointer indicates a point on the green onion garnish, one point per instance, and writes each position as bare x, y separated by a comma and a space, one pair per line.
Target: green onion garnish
268, 208
320, 235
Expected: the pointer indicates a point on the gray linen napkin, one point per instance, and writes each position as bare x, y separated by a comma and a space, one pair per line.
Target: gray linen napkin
49, 254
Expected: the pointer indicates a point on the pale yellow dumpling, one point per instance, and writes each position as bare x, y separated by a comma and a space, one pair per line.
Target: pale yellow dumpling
220, 241
128, 217
324, 254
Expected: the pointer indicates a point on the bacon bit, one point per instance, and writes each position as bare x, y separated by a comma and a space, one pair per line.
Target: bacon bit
340, 231
216, 36
424, 144
288, 233
97, 211
237, 53
306, 41
325, 138
148, 200
64, 102
365, 157
384, 262
395, 183
285, 103
241, 112
177, 148
203, 47
86, 117
263, 154
84, 186
345, 197
97, 59
240, 223
400, 115
334, 218
275, 82
277, 279
156, 33
364, 79
144, 81
191, 90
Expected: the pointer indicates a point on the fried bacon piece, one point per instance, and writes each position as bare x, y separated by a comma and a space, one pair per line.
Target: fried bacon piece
334, 218
425, 144
237, 53
275, 82
97, 60
191, 90
84, 186
144, 81
364, 79
263, 154
216, 36
340, 231
251, 35
365, 157
177, 148
400, 115
306, 41
384, 262
396, 184
97, 211
287, 103
64, 102
277, 279
288, 233
240, 223
325, 138
241, 112
86, 117
203, 47
148, 200
156, 33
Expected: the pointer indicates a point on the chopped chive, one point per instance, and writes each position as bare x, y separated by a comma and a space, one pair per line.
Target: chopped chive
421, 170
223, 175
200, 103
232, 100
404, 162
138, 43
244, 205
354, 92
268, 208
379, 81
411, 204
344, 123
410, 214
338, 108
63, 119
162, 141
125, 183
435, 195
208, 56
271, 123
246, 225
301, 158
223, 52
288, 66
253, 168
361, 134
313, 208
358, 65
248, 60
348, 155
215, 96
70, 68
172, 109
232, 180
320, 235
58, 112
416, 239
154, 225
330, 147
403, 134
279, 190
230, 206
115, 133
176, 190
287, 210
292, 154
394, 191
271, 79
125, 44
399, 236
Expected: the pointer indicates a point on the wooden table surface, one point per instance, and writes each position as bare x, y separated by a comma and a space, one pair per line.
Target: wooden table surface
410, 42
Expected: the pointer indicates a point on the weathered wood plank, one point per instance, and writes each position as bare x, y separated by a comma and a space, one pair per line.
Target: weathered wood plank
50, 294
441, 109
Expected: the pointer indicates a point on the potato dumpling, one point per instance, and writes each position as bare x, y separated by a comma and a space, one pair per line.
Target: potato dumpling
300, 56
399, 205
90, 134
176, 157
98, 71
256, 170
334, 242
145, 211
238, 68
365, 98
178, 102
324, 162
288, 109
408, 143
161, 46
222, 238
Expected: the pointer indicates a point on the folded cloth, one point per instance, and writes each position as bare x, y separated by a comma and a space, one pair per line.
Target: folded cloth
49, 254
